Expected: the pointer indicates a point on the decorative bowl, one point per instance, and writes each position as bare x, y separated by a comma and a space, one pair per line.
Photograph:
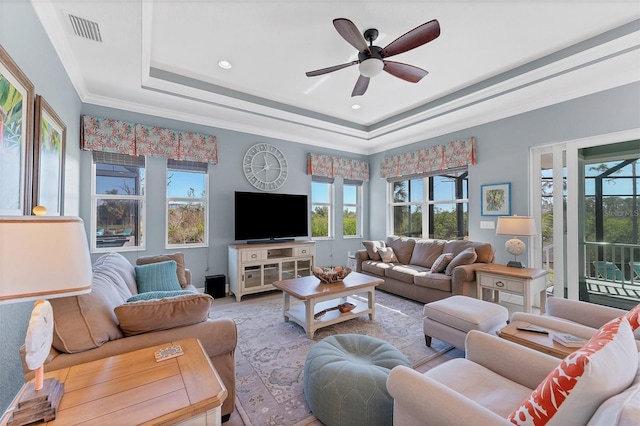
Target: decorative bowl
331, 274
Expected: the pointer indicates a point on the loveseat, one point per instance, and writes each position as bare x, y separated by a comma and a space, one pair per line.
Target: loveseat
102, 323
424, 270
501, 382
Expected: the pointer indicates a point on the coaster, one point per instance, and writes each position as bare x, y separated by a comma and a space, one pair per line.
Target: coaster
168, 353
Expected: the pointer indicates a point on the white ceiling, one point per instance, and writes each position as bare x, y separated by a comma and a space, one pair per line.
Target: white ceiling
493, 59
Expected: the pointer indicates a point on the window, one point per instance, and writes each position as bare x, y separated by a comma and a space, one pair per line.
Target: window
321, 209
187, 184
442, 198
118, 200
351, 209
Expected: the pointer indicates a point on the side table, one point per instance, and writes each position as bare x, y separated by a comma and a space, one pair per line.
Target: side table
540, 342
525, 282
133, 388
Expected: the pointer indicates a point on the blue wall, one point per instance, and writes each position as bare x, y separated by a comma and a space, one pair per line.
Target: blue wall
502, 156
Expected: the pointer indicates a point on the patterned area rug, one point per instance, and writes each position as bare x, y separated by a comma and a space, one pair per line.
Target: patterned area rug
271, 353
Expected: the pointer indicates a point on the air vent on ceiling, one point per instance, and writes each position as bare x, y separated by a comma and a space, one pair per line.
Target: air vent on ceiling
85, 28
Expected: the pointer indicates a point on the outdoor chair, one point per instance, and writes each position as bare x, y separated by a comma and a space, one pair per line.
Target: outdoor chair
608, 271
635, 268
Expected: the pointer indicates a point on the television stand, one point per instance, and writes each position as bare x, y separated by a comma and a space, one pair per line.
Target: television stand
271, 241
253, 268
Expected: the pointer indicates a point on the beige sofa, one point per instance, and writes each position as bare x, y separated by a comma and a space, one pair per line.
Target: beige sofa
87, 328
411, 275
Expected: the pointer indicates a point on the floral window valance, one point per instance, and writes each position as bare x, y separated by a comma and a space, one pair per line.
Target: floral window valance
452, 155
330, 166
107, 135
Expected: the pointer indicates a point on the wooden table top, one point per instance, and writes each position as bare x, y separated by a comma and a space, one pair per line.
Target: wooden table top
309, 287
527, 273
540, 342
133, 388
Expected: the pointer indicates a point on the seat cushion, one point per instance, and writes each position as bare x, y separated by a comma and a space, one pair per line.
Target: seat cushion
376, 267
466, 313
436, 281
404, 273
479, 384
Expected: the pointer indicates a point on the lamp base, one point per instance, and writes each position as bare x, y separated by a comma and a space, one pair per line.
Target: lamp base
515, 264
36, 405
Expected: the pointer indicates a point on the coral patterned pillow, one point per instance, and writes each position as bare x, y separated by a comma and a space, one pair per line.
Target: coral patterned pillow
387, 255
574, 390
634, 317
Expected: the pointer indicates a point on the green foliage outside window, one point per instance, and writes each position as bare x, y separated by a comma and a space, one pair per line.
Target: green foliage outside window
349, 223
320, 222
186, 223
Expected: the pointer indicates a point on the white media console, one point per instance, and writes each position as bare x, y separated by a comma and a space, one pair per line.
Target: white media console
253, 268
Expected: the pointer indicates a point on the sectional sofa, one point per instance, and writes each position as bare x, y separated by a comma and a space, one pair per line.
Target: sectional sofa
424, 269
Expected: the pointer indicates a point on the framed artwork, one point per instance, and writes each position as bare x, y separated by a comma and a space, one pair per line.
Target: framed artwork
16, 138
48, 159
496, 199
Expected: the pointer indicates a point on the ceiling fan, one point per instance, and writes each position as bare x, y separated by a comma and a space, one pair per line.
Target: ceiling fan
372, 59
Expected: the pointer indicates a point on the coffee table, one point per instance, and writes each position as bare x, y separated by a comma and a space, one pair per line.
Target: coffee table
317, 296
540, 342
133, 388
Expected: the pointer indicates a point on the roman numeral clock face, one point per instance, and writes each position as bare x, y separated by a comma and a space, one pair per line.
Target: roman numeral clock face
265, 167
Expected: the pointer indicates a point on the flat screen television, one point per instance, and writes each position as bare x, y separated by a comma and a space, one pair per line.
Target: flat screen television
262, 217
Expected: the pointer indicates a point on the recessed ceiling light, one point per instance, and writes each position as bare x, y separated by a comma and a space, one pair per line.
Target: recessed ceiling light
225, 65
355, 106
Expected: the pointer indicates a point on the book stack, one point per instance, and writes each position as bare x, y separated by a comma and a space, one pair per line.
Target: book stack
569, 340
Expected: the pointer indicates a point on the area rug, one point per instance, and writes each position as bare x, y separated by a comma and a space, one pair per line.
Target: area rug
271, 353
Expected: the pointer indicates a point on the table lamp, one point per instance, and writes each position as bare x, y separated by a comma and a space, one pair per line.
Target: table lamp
515, 226
41, 257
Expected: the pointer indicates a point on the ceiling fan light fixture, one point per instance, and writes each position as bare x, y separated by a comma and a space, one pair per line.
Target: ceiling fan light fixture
355, 106
371, 67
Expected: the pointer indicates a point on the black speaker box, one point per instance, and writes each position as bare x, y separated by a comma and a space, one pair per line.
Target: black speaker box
214, 285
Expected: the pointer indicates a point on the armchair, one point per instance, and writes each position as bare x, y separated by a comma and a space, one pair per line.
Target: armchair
482, 388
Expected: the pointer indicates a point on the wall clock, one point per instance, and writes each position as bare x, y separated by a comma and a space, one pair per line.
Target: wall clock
265, 167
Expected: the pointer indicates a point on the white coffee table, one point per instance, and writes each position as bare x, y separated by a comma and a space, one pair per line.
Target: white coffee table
317, 296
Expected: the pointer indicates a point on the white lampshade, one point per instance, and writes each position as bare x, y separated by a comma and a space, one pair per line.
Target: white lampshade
42, 258
516, 226
371, 67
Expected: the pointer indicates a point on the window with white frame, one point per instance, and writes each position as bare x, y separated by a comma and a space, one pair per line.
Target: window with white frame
118, 202
438, 204
321, 208
352, 209
187, 207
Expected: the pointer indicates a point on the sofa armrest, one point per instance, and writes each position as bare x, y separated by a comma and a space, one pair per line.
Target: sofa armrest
461, 276
507, 358
589, 314
361, 256
419, 399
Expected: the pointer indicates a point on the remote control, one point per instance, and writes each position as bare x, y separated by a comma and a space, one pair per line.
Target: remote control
532, 329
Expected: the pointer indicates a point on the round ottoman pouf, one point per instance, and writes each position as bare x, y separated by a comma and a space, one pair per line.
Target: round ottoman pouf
345, 380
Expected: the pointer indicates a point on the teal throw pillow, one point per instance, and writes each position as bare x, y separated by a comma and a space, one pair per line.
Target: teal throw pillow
159, 276
150, 295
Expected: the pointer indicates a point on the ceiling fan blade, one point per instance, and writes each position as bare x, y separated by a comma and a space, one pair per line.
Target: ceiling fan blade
361, 86
350, 32
329, 69
404, 71
414, 38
